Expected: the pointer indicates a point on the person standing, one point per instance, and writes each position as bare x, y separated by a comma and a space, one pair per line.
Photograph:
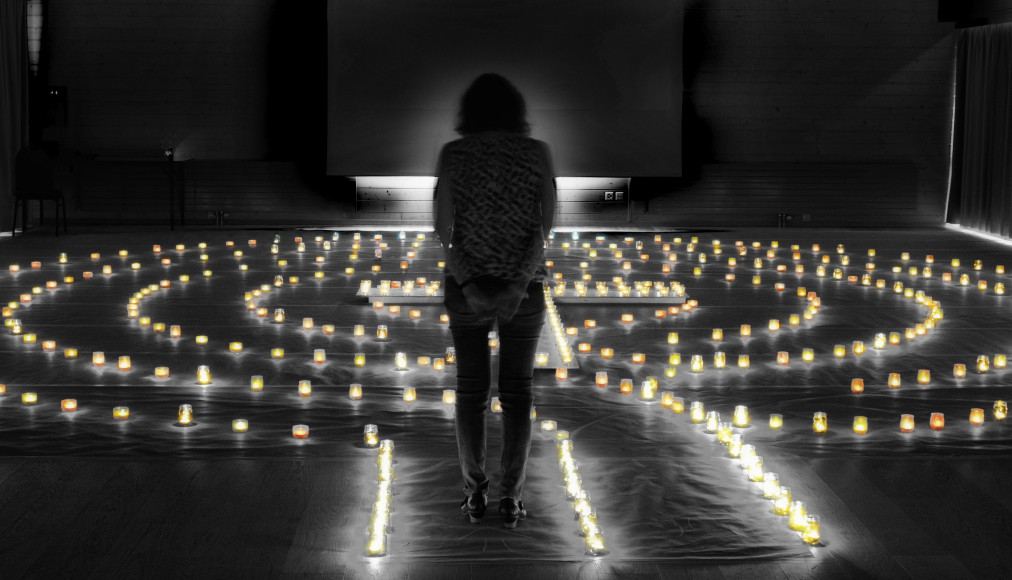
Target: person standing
494, 208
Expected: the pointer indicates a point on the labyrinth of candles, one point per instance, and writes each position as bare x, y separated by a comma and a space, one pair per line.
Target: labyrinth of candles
318, 343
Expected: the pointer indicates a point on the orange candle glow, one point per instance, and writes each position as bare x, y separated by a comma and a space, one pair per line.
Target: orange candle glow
923, 376
783, 358
68, 405
857, 385
894, 380
561, 373
355, 391
937, 421
976, 416
860, 425
625, 386
410, 395
300, 431
959, 370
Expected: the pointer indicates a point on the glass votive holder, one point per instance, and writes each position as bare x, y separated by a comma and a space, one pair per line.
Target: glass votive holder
549, 425
98, 358
256, 383
906, 423
976, 416
697, 413
449, 397
959, 370
860, 425
305, 388
121, 413
625, 386
355, 391
300, 431
203, 375
371, 435
601, 379
937, 421
1000, 410
776, 421
185, 415
857, 385
409, 395
820, 422
240, 425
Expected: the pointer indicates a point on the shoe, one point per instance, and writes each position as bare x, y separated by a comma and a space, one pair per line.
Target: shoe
511, 510
473, 506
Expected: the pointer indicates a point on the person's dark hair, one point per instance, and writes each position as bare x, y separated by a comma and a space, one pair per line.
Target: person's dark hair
492, 103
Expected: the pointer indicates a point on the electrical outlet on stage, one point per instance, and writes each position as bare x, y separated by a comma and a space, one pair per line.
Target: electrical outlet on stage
609, 196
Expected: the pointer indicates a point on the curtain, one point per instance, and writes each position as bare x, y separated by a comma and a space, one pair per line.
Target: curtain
13, 98
981, 186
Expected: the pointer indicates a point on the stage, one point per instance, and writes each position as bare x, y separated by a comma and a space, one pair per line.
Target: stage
84, 494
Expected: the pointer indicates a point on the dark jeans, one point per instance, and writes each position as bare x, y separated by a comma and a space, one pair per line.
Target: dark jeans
518, 340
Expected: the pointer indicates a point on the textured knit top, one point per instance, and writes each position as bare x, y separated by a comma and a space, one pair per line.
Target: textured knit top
496, 180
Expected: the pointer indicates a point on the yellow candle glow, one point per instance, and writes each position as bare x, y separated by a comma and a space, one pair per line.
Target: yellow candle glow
409, 395
355, 391
1000, 410
98, 358
449, 397
235, 347
696, 364
639, 358
203, 375
774, 325
68, 405
820, 422
959, 370
923, 376
776, 421
607, 353
201, 339
240, 425
741, 416
717, 335
185, 415
983, 363
121, 413
123, 363
561, 373
70, 353
783, 358
697, 413
175, 331
601, 379
305, 388
29, 398
370, 434
906, 423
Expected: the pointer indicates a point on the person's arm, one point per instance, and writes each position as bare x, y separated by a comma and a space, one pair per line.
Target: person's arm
549, 197
443, 204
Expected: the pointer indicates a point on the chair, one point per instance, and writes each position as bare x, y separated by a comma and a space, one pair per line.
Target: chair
33, 180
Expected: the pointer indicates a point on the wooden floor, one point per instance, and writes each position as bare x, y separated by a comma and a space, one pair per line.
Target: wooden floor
936, 512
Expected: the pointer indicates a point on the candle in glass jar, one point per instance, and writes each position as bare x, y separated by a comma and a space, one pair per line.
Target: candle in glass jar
937, 421
959, 370
820, 422
355, 391
185, 415
776, 421
68, 405
121, 413
449, 397
98, 358
161, 372
976, 416
601, 379
305, 388
409, 395
697, 413
1000, 410
860, 425
906, 423
203, 375
371, 435
740, 418
29, 398
256, 383
300, 431
894, 380
123, 363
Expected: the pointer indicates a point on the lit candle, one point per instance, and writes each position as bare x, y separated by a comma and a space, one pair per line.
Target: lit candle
68, 405
959, 370
797, 516
203, 375
300, 431
495, 405
639, 358
256, 383
858, 347
607, 353
983, 363
976, 416
807, 355
923, 376
541, 358
175, 331
783, 358
29, 398
359, 331
625, 386
277, 352
718, 334
355, 391
697, 413
123, 363
185, 415
782, 503
677, 405
894, 380
906, 423
601, 379
98, 358
776, 421
70, 353
548, 425
409, 395
307, 323
1000, 410
820, 423
860, 425
774, 325
121, 413
371, 435
937, 421
305, 388
561, 373
235, 347
811, 534
449, 397
741, 416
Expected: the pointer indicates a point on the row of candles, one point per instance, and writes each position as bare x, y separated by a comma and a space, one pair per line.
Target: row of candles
586, 516
379, 521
